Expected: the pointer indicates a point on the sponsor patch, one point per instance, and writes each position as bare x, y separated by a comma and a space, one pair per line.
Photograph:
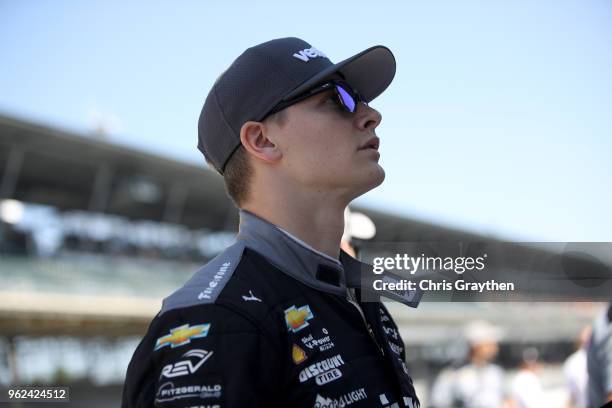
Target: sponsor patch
169, 392
308, 53
324, 371
390, 331
404, 367
411, 403
322, 343
179, 336
342, 401
205, 406
298, 355
193, 359
215, 281
297, 318
251, 297
328, 376
395, 348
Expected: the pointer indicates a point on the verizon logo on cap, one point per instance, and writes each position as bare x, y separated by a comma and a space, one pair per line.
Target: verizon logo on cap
308, 53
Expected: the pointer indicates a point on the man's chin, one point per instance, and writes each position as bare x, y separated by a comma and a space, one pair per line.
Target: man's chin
379, 175
371, 179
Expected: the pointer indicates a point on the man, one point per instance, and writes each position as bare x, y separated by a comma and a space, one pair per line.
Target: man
575, 371
276, 319
599, 361
479, 383
525, 389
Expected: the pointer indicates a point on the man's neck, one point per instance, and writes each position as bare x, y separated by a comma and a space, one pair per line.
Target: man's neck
317, 221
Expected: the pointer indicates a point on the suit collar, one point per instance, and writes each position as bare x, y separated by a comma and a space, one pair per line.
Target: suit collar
297, 259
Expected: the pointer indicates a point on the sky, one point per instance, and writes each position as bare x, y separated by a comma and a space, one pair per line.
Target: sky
498, 121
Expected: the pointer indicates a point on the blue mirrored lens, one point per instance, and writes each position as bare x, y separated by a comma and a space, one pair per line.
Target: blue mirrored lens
347, 99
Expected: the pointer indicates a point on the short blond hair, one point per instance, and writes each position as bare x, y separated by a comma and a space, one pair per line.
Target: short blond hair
238, 170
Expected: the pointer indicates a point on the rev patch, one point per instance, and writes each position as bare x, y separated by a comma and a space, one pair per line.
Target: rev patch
192, 360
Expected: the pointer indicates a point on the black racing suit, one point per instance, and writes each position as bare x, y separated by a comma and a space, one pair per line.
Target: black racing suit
270, 322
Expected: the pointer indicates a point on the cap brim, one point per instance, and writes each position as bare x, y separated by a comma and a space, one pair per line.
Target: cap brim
370, 72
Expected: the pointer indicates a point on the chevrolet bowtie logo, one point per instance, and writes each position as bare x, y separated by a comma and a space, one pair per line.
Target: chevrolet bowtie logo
297, 319
182, 335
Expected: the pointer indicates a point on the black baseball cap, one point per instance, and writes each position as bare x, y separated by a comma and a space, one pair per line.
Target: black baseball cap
275, 71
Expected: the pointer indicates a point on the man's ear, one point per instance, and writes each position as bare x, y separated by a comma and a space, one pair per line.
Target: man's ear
254, 138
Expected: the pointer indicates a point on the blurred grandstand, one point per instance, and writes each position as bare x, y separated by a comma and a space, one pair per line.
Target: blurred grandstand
93, 235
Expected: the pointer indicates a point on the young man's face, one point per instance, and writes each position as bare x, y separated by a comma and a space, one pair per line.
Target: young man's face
326, 147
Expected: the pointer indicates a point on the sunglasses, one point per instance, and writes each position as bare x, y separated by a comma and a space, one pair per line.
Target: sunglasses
346, 96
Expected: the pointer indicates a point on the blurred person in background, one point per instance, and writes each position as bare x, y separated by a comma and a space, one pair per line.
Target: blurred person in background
478, 383
575, 371
599, 360
525, 390
276, 319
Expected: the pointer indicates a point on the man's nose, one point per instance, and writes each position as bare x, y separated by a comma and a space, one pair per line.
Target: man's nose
366, 117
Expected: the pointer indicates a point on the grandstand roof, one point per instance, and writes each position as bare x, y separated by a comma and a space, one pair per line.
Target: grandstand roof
67, 170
